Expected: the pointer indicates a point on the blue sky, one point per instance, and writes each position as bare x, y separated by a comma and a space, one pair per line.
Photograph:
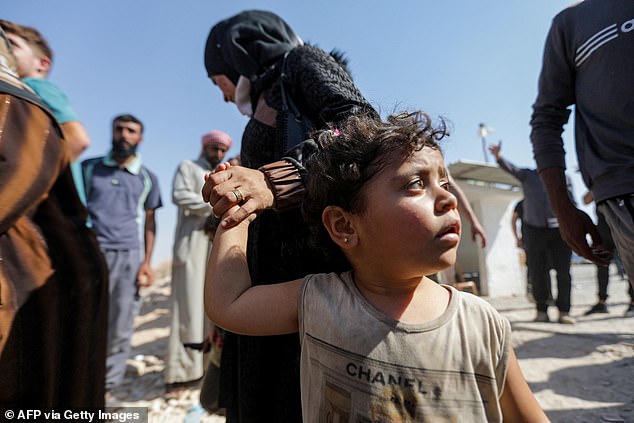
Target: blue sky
467, 61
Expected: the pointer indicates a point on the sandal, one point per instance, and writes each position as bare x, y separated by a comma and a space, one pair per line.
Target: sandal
175, 390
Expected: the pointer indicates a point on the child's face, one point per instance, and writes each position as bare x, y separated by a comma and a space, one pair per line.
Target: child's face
27, 60
410, 224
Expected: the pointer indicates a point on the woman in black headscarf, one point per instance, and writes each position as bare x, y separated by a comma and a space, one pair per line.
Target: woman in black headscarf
243, 57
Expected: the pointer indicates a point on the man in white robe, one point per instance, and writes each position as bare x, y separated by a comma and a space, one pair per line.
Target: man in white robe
189, 326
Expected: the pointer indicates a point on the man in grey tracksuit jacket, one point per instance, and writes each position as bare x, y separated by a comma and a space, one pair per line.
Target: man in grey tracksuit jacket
589, 62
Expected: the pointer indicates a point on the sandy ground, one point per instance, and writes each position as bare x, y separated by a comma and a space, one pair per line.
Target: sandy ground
579, 373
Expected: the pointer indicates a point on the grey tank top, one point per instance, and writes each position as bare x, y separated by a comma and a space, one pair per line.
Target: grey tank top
359, 365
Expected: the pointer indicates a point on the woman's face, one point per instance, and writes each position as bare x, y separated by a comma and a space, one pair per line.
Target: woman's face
227, 87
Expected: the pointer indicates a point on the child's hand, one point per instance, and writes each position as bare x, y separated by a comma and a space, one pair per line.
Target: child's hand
211, 183
221, 167
231, 212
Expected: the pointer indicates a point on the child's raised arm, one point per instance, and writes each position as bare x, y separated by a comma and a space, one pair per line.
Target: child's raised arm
230, 300
517, 401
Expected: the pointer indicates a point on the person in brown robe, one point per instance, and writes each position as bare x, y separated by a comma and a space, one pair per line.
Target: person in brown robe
53, 278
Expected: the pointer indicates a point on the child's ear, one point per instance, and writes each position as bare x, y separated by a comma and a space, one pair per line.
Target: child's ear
44, 65
339, 226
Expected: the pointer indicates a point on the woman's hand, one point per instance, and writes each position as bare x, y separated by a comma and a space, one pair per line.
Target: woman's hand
228, 186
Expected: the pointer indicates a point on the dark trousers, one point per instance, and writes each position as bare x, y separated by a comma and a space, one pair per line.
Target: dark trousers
545, 248
603, 277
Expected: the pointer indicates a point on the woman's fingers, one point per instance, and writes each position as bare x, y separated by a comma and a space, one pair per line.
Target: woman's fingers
231, 186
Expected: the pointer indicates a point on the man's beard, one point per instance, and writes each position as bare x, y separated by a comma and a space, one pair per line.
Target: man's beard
122, 149
213, 161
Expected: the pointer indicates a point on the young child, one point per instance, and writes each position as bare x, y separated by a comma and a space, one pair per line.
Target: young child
34, 59
381, 342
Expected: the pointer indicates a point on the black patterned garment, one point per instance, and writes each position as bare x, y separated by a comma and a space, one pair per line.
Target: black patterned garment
260, 375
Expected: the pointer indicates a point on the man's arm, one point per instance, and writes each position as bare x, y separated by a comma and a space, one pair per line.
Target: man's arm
145, 275
495, 150
574, 224
77, 139
518, 240
556, 93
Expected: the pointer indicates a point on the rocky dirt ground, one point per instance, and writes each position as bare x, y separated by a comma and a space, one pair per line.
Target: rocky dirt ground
579, 373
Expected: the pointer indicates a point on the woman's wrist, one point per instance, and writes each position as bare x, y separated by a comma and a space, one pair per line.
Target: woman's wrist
285, 182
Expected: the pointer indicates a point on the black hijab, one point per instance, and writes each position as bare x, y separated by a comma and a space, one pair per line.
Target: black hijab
247, 44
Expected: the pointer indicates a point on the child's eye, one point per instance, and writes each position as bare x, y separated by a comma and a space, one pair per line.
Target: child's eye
445, 186
417, 184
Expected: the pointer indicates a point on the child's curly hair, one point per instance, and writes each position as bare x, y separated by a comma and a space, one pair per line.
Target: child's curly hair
349, 157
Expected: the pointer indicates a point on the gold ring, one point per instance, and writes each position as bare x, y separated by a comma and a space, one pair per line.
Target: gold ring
238, 194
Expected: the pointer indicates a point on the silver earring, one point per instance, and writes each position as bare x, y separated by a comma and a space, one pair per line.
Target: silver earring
346, 240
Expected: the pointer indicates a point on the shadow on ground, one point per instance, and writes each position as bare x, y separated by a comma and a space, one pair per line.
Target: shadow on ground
564, 345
